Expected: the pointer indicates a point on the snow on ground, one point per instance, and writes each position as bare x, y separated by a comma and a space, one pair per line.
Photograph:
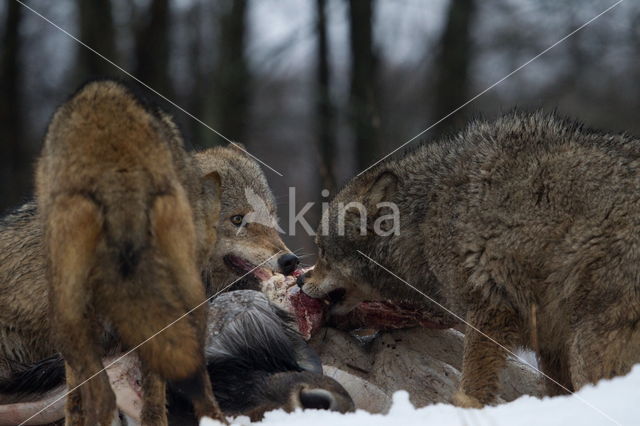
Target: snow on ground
610, 402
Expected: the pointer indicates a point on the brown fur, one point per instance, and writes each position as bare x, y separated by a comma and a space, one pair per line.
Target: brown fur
526, 214
255, 242
115, 191
25, 334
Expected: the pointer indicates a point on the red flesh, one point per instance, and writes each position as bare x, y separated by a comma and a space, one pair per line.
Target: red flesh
309, 312
389, 316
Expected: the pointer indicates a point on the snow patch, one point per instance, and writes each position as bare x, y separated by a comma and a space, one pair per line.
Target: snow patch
610, 402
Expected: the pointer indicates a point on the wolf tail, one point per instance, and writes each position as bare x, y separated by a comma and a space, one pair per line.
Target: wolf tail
167, 310
126, 225
127, 217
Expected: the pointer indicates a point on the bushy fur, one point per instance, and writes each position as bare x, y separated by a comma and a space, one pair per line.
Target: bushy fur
528, 227
25, 333
123, 245
253, 242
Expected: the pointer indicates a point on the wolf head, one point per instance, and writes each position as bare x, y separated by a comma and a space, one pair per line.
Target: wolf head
377, 217
363, 217
247, 233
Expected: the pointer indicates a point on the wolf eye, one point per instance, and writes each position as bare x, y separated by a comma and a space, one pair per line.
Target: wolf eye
237, 219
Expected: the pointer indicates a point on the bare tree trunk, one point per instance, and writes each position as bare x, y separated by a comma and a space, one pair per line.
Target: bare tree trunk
452, 78
152, 47
195, 100
15, 167
363, 95
324, 107
231, 73
96, 30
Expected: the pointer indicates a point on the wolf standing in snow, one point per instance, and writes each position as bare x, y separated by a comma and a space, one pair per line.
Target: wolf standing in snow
115, 191
527, 227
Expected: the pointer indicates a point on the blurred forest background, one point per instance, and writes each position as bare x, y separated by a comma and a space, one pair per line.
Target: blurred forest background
317, 89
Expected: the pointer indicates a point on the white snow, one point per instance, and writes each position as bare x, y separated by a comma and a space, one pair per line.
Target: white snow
610, 402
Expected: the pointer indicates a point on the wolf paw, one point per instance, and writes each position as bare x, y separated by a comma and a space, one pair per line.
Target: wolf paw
461, 399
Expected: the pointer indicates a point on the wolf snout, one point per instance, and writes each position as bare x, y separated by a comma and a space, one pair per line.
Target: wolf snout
304, 278
323, 399
300, 281
288, 263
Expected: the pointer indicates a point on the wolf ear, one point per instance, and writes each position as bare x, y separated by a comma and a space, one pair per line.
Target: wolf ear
382, 189
212, 184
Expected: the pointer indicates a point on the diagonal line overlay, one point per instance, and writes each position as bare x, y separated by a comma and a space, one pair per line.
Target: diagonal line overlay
77, 40
563, 39
146, 340
489, 338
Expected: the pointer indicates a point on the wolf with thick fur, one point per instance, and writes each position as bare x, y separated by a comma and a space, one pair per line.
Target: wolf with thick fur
25, 333
115, 190
248, 246
528, 227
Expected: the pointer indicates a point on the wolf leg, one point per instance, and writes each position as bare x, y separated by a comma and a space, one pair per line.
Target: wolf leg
598, 353
555, 364
198, 390
74, 227
174, 238
154, 411
483, 358
73, 411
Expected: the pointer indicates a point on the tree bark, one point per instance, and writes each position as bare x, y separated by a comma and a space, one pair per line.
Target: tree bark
363, 93
97, 31
198, 77
324, 107
452, 66
231, 74
152, 47
15, 167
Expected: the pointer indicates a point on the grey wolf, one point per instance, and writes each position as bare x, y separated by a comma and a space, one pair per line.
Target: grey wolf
25, 333
123, 246
243, 243
527, 227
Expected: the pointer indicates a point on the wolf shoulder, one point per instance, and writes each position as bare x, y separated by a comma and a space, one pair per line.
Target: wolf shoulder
530, 194
535, 168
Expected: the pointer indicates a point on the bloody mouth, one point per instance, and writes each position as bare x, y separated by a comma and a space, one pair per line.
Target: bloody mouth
242, 266
312, 314
309, 313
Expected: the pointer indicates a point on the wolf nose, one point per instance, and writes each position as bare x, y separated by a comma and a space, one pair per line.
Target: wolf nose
318, 399
288, 263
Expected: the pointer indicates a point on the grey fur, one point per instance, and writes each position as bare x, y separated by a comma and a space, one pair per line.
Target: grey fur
24, 325
528, 227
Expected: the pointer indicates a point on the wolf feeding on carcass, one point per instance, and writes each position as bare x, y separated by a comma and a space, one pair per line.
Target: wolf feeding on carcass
253, 349
255, 357
382, 347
